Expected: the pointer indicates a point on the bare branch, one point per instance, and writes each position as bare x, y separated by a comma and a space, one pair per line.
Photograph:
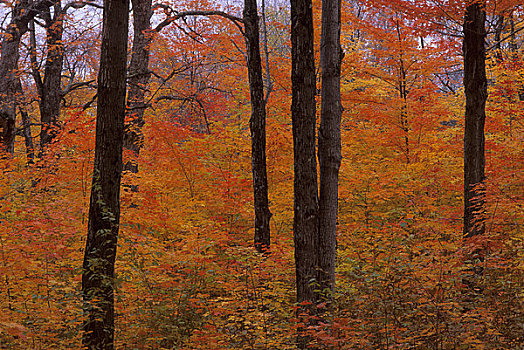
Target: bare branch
173, 16
81, 4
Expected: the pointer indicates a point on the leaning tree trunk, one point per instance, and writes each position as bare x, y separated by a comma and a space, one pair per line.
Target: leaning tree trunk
329, 144
104, 208
303, 115
475, 84
51, 86
138, 80
257, 125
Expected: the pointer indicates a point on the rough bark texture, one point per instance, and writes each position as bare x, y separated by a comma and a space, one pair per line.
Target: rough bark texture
23, 12
475, 84
257, 125
329, 144
104, 207
51, 87
305, 224
138, 80
8, 77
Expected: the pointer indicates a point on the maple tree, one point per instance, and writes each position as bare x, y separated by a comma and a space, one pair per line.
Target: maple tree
187, 274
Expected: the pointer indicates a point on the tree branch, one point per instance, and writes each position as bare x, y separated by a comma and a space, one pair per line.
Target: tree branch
173, 16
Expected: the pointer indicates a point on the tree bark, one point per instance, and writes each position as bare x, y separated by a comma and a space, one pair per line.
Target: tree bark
257, 125
23, 12
139, 76
52, 83
104, 207
269, 81
329, 143
8, 77
303, 115
475, 84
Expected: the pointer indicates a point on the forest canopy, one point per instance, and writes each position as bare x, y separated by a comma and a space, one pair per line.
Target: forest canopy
304, 174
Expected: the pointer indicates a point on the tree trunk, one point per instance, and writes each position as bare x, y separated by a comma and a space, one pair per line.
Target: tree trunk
475, 84
26, 125
138, 80
23, 12
269, 81
257, 125
8, 75
104, 207
329, 144
303, 115
499, 28
51, 88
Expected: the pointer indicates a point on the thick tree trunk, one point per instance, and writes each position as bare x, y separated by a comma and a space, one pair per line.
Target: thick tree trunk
305, 224
138, 80
52, 83
104, 207
8, 95
257, 125
8, 75
23, 12
475, 84
329, 143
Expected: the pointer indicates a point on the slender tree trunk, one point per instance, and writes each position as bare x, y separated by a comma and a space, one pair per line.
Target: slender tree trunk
138, 80
475, 84
104, 207
303, 114
329, 143
499, 28
269, 81
26, 125
257, 125
403, 94
52, 82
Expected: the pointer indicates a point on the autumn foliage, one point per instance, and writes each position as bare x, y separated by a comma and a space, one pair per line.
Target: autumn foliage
188, 276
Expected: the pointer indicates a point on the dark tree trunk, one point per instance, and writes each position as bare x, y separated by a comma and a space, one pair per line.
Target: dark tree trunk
138, 80
104, 207
23, 12
305, 224
499, 28
257, 125
329, 144
475, 84
8, 75
51, 87
403, 94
